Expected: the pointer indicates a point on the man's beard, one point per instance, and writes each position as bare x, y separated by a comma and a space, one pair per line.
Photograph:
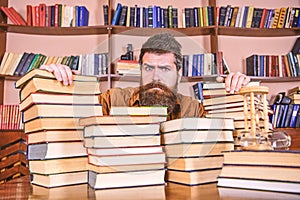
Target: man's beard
151, 96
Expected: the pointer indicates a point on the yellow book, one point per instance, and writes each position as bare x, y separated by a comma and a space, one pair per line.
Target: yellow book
3, 62
200, 17
16, 59
275, 18
249, 16
281, 18
8, 63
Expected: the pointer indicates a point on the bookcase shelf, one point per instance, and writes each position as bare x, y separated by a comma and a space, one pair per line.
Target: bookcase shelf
82, 30
258, 32
178, 32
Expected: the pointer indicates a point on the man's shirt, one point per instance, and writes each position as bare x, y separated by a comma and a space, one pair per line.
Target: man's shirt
185, 106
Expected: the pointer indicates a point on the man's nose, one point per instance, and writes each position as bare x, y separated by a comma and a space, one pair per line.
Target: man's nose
156, 75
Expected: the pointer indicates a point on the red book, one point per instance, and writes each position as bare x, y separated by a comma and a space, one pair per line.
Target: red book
9, 15
37, 15
29, 15
42, 14
56, 15
18, 16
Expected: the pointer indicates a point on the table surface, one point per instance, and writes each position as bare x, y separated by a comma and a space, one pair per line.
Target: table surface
20, 188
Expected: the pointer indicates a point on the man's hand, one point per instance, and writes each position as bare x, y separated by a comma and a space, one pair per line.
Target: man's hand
234, 81
62, 73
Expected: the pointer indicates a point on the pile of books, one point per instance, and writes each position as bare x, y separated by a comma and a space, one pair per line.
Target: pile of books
218, 103
261, 170
12, 155
51, 113
194, 148
124, 149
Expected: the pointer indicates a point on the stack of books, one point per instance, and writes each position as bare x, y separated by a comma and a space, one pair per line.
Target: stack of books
294, 94
12, 155
218, 103
51, 113
261, 170
124, 149
194, 148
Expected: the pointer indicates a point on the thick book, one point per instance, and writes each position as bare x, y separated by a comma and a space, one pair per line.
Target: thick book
125, 141
126, 179
127, 159
17, 16
39, 73
53, 86
275, 158
264, 185
121, 129
52, 150
55, 123
61, 179
65, 111
197, 124
261, 172
195, 177
125, 168
54, 136
236, 193
143, 110
60, 99
196, 136
56, 166
195, 163
133, 119
124, 150
197, 149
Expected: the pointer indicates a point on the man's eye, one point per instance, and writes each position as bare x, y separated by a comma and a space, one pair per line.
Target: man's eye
148, 68
165, 69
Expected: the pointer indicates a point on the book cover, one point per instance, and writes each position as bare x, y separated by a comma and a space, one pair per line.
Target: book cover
21, 64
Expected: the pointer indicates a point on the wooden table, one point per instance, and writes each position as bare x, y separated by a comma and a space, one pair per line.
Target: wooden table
21, 188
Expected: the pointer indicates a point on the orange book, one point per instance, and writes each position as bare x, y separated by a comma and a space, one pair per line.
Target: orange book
18, 17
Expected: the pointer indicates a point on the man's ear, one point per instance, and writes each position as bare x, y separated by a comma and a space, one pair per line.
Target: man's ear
179, 75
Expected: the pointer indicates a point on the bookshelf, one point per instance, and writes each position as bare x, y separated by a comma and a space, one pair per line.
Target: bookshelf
114, 38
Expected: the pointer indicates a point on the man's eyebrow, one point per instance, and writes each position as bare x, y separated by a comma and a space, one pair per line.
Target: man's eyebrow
160, 66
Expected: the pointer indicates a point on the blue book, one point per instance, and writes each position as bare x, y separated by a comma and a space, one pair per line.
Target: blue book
195, 65
117, 14
198, 90
245, 17
96, 64
83, 16
296, 108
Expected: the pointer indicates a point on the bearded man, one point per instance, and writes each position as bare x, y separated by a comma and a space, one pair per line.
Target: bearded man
161, 68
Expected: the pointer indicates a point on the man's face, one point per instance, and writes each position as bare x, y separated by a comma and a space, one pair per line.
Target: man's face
160, 68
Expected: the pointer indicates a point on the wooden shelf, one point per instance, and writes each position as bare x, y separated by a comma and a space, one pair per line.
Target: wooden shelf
178, 32
35, 30
258, 32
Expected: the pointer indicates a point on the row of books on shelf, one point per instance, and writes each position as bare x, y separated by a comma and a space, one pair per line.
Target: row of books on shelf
10, 117
57, 15
198, 16
254, 17
273, 65
203, 64
18, 64
153, 16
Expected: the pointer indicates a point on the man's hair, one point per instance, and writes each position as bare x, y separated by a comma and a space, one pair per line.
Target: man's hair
160, 44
